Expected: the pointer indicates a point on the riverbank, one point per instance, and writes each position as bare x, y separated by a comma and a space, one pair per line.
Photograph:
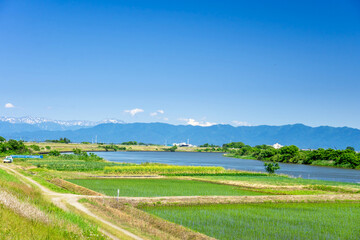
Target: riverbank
318, 163
46, 147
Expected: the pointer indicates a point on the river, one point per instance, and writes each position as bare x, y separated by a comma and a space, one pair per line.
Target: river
217, 159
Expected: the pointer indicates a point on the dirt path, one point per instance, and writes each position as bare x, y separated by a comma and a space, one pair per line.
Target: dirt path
60, 198
186, 200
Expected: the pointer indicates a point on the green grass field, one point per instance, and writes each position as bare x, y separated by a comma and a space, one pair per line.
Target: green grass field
14, 226
160, 187
268, 221
279, 180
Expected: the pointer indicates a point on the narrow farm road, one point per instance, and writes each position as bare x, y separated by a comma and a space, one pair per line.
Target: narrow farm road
59, 198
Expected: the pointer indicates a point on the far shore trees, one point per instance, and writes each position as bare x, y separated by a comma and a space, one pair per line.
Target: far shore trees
347, 158
61, 140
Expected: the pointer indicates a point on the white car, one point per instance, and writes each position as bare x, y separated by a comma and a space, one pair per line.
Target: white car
8, 159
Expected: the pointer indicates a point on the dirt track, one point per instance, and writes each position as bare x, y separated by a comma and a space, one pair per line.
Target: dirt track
60, 199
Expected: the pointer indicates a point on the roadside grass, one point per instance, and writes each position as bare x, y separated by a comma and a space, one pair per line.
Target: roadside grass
60, 225
139, 222
160, 187
14, 226
6, 177
45, 182
278, 180
267, 220
74, 188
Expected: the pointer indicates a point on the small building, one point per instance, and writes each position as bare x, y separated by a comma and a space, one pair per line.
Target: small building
277, 146
183, 144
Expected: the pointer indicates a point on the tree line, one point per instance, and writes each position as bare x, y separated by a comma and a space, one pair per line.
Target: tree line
347, 158
61, 140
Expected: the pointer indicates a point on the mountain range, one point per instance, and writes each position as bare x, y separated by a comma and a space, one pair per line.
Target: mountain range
36, 123
116, 131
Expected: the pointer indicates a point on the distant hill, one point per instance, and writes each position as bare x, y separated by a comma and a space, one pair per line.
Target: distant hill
159, 133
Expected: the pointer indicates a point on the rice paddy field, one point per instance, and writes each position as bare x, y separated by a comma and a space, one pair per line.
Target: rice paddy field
267, 220
160, 187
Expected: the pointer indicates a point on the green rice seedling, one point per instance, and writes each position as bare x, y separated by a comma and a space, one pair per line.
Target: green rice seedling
160, 187
267, 221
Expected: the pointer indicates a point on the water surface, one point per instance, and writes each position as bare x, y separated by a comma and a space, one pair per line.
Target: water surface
217, 159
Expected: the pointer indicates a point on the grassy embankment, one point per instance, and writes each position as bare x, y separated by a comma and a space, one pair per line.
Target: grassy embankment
26, 214
268, 220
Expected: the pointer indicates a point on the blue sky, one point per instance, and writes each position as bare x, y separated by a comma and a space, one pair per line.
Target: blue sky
182, 62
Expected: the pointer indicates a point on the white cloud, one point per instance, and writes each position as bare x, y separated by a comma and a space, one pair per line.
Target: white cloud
153, 114
134, 111
166, 119
9, 105
193, 122
239, 123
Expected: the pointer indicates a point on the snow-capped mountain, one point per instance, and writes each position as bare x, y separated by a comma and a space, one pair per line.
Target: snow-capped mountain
55, 125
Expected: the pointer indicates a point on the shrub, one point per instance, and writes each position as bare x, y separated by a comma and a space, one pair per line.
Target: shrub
54, 153
271, 167
35, 147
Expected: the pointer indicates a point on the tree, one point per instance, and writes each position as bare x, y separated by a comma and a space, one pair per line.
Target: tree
173, 148
130, 143
2, 139
234, 145
348, 158
64, 140
77, 151
350, 148
288, 152
266, 154
271, 167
